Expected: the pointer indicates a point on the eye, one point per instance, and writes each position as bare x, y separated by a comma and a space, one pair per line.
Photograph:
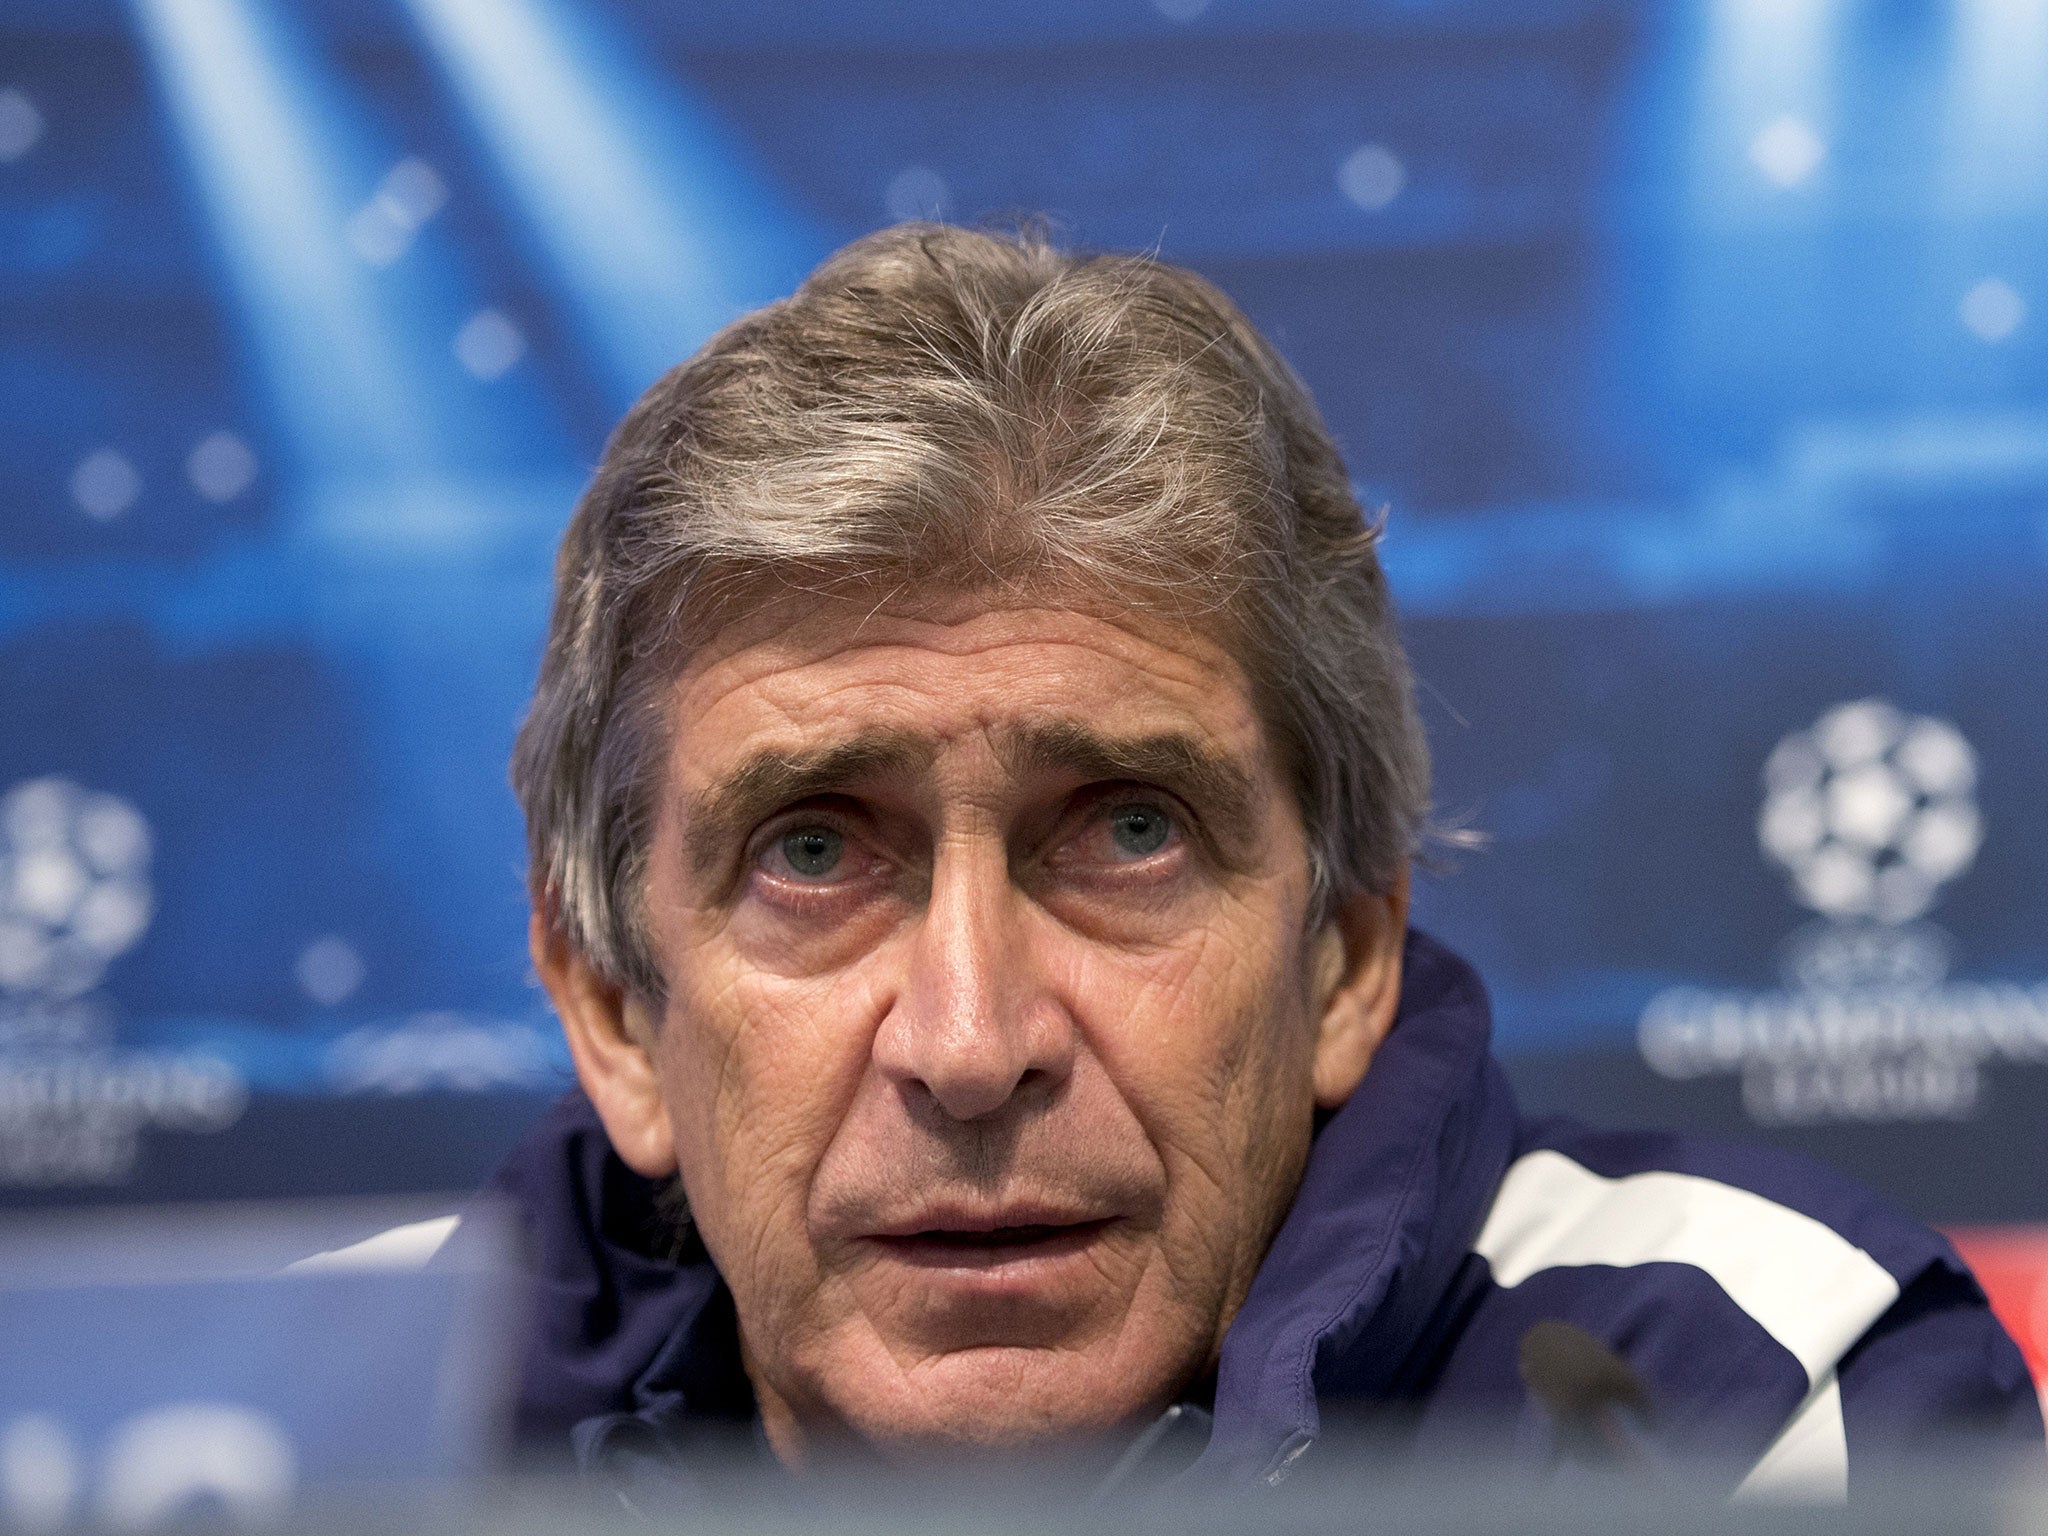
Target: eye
811, 853
1138, 830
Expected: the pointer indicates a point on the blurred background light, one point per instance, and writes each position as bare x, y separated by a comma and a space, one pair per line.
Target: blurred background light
916, 192
221, 466
1992, 310
1787, 150
105, 484
21, 125
654, 229
268, 147
1994, 151
1372, 176
411, 193
330, 970
1768, 84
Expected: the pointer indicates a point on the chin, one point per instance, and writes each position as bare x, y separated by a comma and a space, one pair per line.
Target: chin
999, 1402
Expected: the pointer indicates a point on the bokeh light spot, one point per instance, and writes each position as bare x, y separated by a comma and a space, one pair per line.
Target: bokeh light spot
1372, 176
488, 345
21, 125
329, 970
221, 467
1992, 310
917, 192
1787, 151
382, 230
105, 484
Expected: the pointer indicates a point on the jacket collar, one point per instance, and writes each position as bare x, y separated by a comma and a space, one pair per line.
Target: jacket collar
1396, 1187
607, 1302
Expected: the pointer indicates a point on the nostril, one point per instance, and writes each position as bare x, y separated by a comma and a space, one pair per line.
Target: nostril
974, 1038
970, 1099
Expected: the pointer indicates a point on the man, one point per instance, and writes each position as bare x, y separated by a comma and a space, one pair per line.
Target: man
971, 789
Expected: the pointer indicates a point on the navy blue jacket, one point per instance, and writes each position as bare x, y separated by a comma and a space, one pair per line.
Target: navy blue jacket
1779, 1318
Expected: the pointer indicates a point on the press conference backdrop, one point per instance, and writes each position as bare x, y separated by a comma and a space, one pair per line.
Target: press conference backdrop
1698, 351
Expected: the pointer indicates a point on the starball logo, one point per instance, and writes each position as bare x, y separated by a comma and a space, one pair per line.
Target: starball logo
74, 886
1870, 812
75, 896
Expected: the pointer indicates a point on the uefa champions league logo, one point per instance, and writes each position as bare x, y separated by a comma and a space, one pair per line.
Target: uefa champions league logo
1870, 812
74, 897
74, 887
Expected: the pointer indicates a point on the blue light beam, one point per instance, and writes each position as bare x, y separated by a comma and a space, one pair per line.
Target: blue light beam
244, 104
1995, 151
642, 206
1766, 113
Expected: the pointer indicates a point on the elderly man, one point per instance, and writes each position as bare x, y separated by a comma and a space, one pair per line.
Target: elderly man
971, 787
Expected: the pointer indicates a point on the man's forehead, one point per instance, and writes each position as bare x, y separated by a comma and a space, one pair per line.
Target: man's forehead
788, 630
927, 677
1020, 746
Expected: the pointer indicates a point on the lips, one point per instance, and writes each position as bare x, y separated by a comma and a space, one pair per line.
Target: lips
988, 1239
997, 1237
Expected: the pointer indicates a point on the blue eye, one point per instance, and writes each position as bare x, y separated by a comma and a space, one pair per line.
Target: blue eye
812, 852
1139, 830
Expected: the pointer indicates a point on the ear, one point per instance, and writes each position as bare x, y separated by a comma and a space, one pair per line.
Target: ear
1355, 986
609, 1038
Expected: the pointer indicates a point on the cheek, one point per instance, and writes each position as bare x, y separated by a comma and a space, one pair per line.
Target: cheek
1208, 1040
827, 935
757, 1076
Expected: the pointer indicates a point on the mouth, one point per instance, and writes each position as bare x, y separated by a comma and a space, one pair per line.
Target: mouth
992, 1246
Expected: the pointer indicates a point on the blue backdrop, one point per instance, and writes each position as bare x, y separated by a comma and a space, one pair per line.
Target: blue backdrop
1699, 351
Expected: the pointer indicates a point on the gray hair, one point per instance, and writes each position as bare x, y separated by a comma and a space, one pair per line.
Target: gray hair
951, 410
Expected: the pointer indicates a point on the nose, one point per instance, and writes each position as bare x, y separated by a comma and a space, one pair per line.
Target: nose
973, 1027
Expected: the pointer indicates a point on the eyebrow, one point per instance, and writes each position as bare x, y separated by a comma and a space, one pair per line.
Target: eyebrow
1222, 792
718, 817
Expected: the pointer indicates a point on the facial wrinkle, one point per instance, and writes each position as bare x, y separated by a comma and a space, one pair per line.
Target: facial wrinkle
716, 819
1223, 792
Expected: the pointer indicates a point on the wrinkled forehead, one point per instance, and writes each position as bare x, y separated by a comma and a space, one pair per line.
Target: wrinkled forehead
952, 662
736, 606
833, 691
